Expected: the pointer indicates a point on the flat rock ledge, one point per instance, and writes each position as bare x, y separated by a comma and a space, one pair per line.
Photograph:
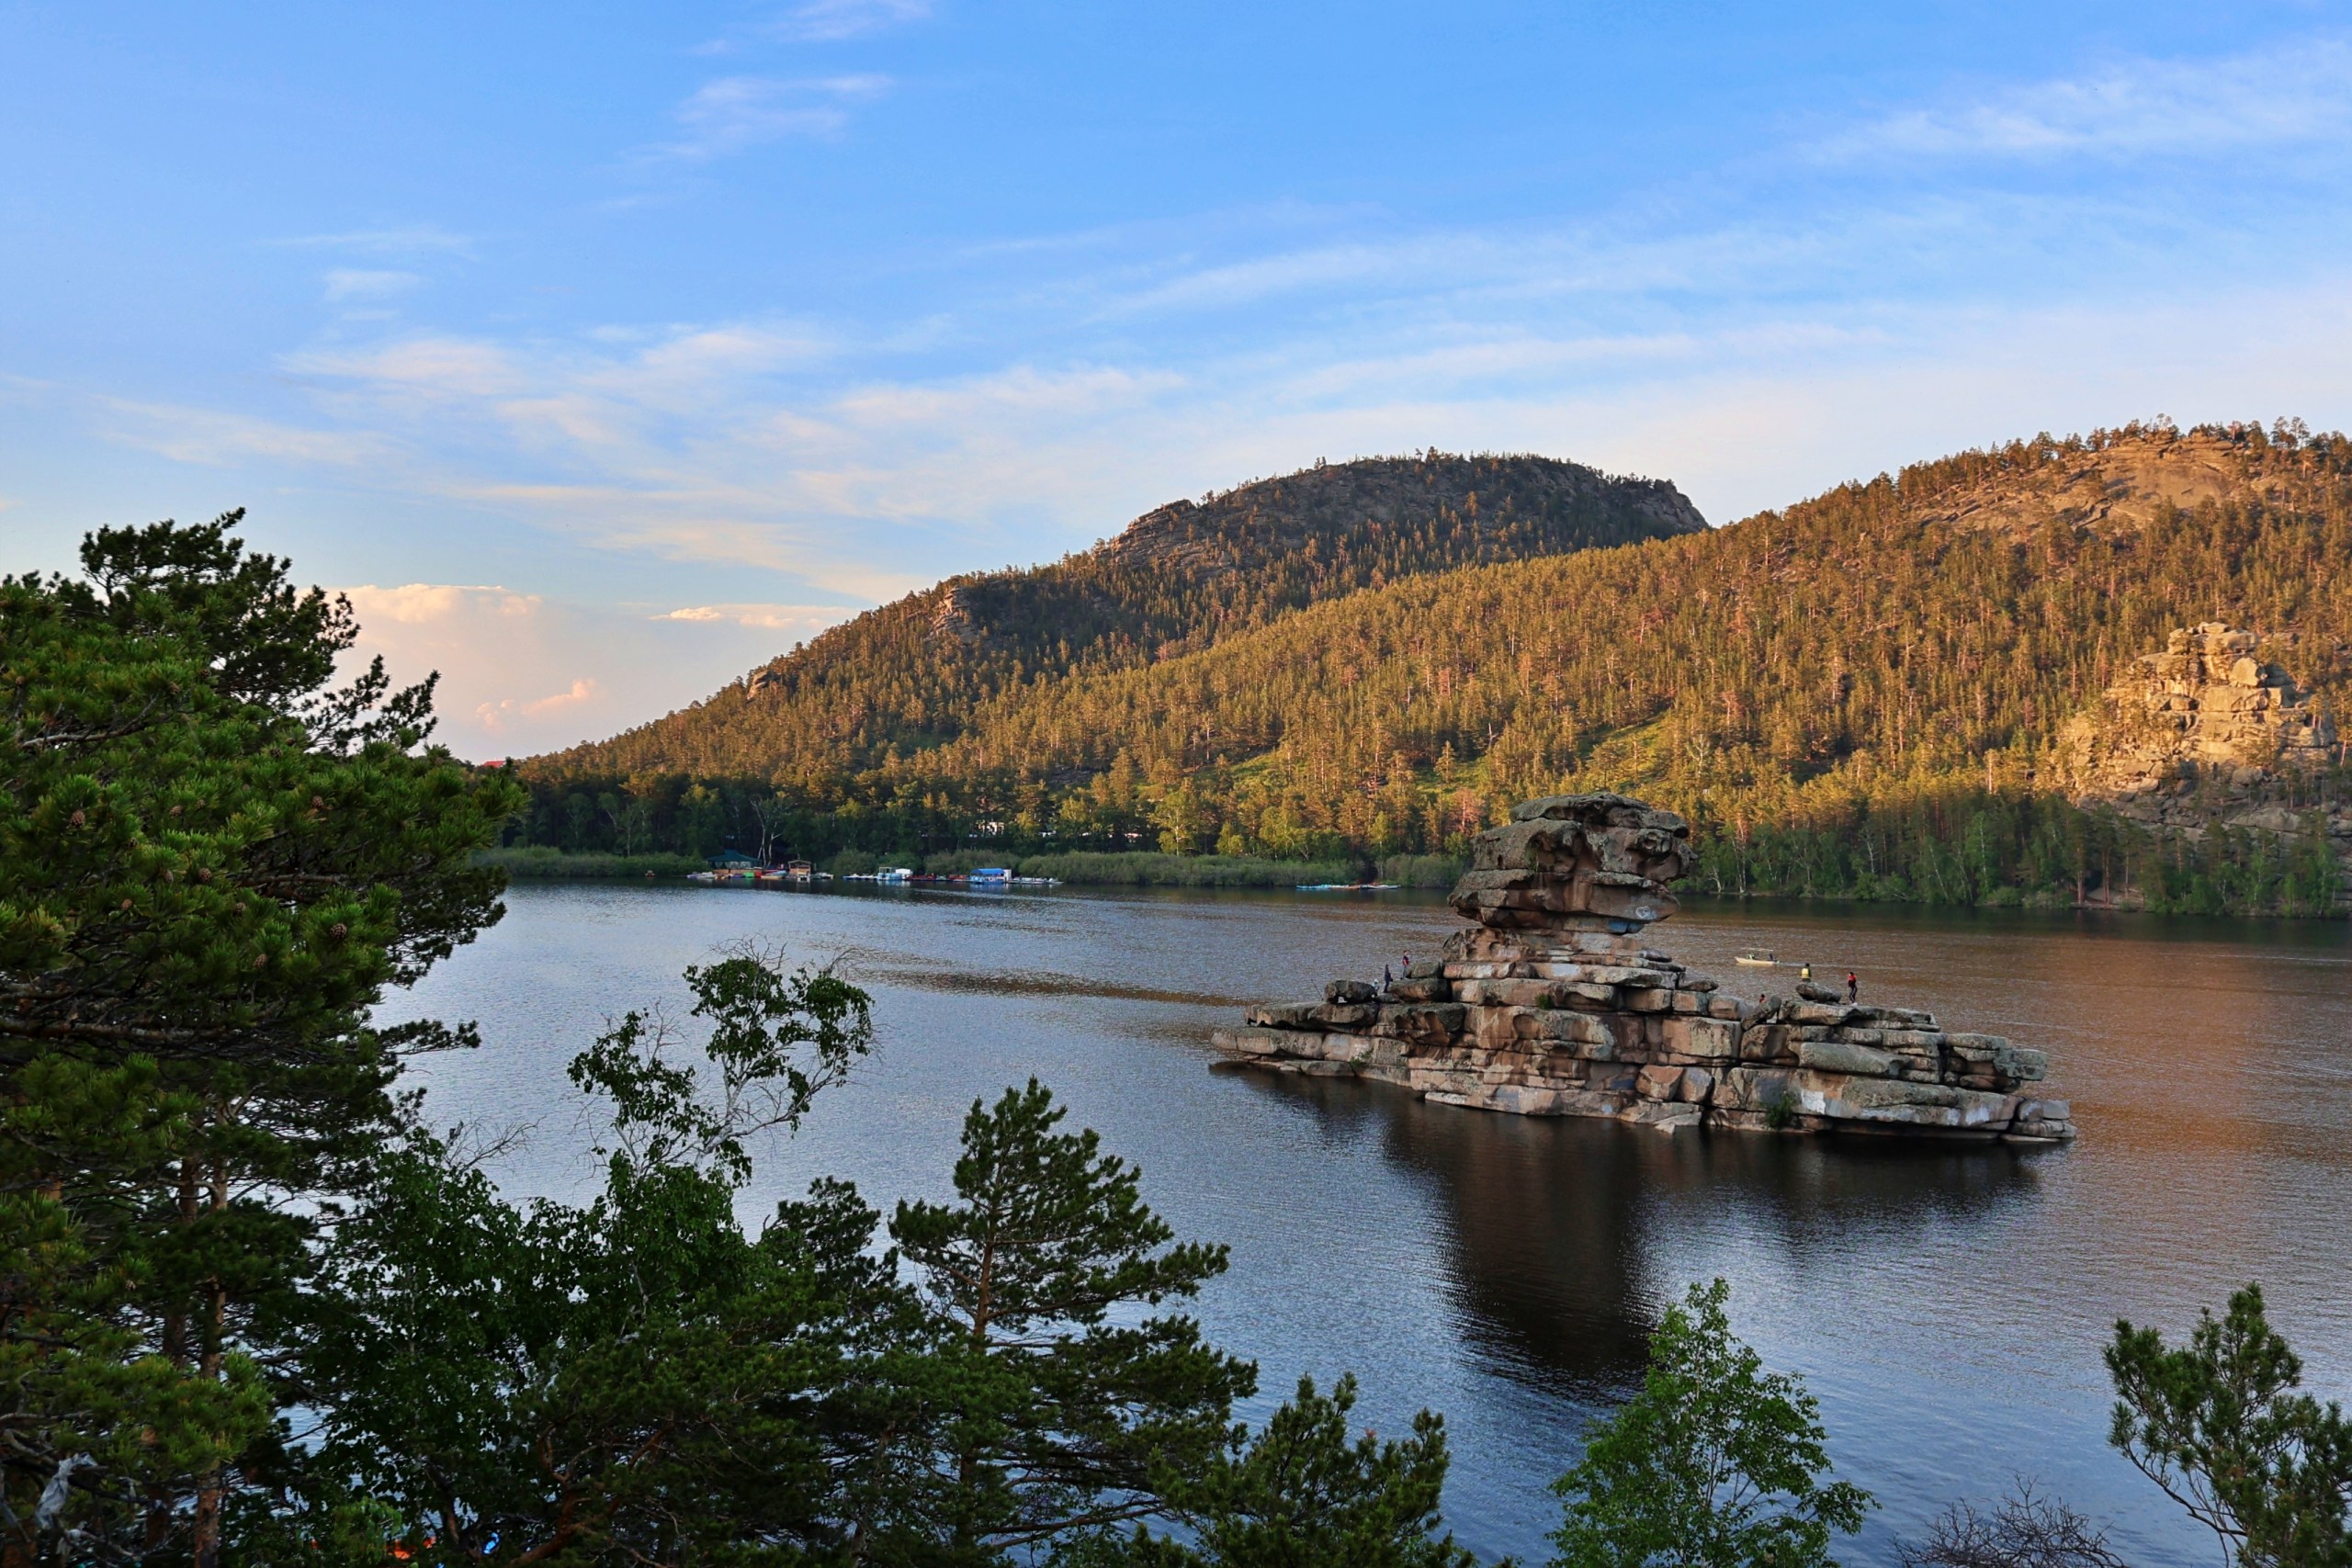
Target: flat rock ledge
1553, 1006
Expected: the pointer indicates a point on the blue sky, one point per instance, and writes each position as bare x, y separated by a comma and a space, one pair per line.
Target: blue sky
602, 351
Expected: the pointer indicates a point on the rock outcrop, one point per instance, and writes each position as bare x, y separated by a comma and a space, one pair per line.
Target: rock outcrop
2207, 735
1553, 1005
2205, 708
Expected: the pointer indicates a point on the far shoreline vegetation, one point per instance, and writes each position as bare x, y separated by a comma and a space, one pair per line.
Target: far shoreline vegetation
1082, 868
2019, 852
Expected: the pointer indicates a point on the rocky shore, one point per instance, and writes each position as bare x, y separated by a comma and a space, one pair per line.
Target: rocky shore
1553, 1005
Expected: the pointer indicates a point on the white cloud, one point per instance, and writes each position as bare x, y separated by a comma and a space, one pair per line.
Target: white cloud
408, 240
2300, 94
805, 618
522, 672
735, 113
496, 717
422, 603
825, 20
357, 282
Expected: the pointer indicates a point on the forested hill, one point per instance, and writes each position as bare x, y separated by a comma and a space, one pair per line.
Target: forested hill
1860, 694
906, 677
1872, 668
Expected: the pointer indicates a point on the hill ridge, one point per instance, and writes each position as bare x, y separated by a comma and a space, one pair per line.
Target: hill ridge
903, 675
1860, 692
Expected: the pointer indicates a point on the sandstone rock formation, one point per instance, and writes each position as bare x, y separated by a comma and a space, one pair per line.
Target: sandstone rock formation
2206, 734
2205, 707
1553, 1005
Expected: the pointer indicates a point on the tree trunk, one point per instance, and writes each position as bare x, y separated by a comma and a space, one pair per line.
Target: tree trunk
205, 1544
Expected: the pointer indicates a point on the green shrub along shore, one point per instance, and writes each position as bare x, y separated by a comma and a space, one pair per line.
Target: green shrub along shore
537, 862
1081, 868
2229, 871
260, 1314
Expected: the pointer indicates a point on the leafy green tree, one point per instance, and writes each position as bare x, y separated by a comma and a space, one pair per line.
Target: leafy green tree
1050, 1416
212, 862
2217, 1423
634, 1379
1301, 1494
1715, 1463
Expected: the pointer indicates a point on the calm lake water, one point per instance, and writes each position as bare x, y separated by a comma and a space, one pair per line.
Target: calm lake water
1946, 1308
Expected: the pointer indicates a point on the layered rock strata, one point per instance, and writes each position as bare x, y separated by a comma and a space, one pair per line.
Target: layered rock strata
1554, 1005
2205, 708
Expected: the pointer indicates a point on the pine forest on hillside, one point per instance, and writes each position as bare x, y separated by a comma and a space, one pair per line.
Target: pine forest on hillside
909, 675
1859, 695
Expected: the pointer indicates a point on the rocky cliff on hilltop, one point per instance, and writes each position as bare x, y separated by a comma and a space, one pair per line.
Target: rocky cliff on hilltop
2206, 709
2118, 489
2207, 733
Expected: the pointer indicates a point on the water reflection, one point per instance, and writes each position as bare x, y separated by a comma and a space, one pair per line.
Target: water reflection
1556, 1274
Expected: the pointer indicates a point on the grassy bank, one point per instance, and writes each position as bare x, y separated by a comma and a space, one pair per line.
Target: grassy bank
1422, 871
536, 863
1147, 869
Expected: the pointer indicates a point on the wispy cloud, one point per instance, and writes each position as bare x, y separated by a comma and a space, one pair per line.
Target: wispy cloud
2300, 94
406, 240
770, 617
357, 283
825, 20
735, 113
220, 437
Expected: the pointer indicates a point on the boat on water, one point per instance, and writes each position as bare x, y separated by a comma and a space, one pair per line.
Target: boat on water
1756, 958
1349, 887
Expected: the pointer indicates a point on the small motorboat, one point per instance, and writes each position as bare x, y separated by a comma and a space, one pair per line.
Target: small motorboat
1756, 958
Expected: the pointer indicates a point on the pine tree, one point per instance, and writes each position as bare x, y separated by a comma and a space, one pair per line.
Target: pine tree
1052, 1416
212, 864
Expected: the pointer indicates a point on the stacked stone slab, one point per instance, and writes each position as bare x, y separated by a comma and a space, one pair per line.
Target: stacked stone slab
1554, 1005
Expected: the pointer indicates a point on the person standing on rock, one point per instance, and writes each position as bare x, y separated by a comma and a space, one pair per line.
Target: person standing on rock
1853, 988
1386, 979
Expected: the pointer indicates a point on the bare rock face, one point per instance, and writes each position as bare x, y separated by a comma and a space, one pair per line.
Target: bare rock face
2206, 734
2205, 708
1552, 1005
1575, 863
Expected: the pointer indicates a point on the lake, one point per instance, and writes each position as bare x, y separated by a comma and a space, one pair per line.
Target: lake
1947, 1307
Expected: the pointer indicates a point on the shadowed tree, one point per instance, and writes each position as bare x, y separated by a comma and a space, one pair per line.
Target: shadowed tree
2217, 1423
1059, 1404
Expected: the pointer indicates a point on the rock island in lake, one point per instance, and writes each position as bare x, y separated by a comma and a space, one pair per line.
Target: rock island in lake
1553, 1005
